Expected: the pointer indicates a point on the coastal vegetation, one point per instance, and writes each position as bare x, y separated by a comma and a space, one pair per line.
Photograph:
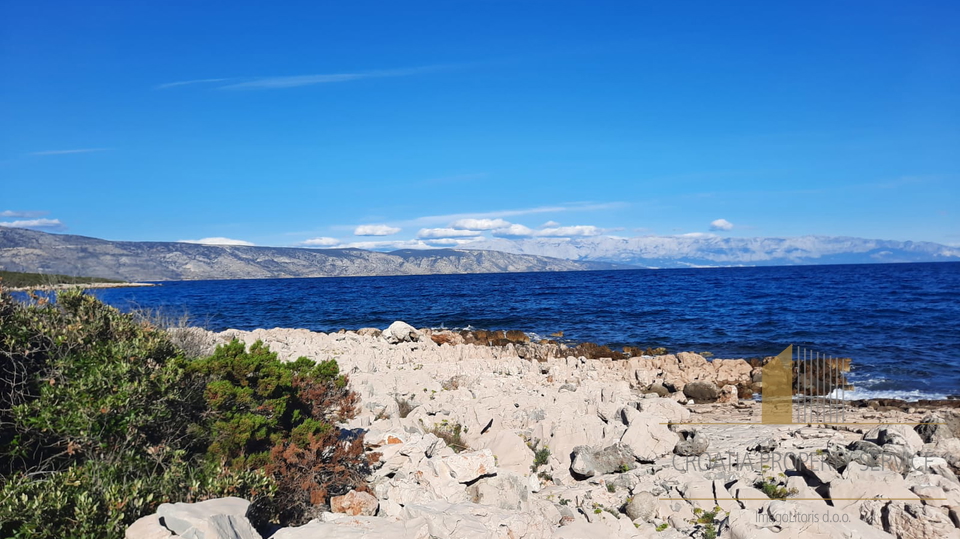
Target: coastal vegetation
103, 418
16, 279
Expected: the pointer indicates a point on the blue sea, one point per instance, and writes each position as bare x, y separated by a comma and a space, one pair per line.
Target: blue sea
900, 323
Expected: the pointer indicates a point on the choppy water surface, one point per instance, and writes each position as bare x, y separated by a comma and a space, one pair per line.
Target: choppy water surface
899, 322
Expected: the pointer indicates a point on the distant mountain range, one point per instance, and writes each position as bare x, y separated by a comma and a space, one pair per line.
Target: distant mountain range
32, 251
709, 250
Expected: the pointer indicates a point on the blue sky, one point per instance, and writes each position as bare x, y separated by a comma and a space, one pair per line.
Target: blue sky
373, 123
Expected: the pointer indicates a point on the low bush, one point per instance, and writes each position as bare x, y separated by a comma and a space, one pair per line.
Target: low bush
774, 489
450, 433
102, 418
279, 417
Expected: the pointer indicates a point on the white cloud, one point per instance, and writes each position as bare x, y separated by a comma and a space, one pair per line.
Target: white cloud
479, 224
22, 214
721, 224
566, 231
43, 224
513, 231
696, 235
551, 224
446, 233
64, 152
375, 230
321, 242
218, 241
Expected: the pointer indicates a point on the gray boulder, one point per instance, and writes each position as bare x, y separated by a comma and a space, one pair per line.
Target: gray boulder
586, 461
642, 507
701, 391
691, 443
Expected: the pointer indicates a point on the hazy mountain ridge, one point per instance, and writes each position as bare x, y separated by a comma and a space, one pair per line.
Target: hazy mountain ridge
32, 251
687, 251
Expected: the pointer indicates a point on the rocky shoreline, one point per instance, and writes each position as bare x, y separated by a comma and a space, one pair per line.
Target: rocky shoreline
486, 434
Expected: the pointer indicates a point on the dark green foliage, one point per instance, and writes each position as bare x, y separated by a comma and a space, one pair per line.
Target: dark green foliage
708, 521
102, 419
541, 455
279, 417
259, 401
15, 279
773, 489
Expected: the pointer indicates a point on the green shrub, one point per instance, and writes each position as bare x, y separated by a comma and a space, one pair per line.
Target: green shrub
773, 489
541, 455
96, 412
279, 417
708, 521
102, 419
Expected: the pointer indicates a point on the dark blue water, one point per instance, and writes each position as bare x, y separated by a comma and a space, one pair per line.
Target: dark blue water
899, 322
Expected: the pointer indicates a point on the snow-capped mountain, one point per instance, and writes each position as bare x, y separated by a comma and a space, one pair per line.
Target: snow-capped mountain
709, 250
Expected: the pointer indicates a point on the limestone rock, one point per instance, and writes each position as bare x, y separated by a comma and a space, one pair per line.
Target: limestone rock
358, 528
588, 462
148, 527
665, 408
856, 487
355, 503
400, 332
895, 434
939, 426
728, 395
222, 518
453, 521
466, 467
642, 507
768, 445
648, 438
511, 452
702, 392
506, 490
947, 449
787, 520
915, 521
692, 443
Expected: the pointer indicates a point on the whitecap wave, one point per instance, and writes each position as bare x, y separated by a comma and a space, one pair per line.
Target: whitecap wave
902, 394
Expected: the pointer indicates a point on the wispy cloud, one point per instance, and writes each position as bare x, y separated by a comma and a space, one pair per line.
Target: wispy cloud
22, 214
40, 224
218, 241
189, 82
572, 207
294, 81
65, 152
